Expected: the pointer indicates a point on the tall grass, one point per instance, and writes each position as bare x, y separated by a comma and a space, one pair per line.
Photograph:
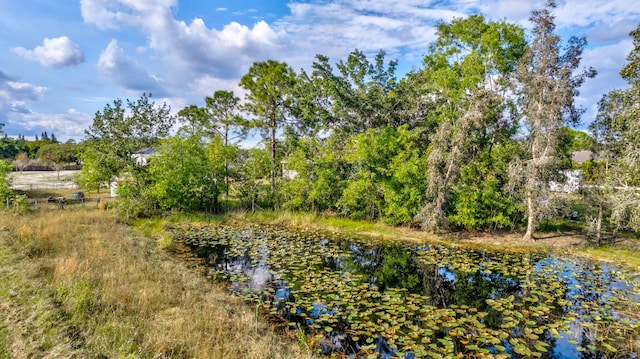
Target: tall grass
118, 295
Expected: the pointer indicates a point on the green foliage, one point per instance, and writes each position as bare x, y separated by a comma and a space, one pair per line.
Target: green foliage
466, 74
270, 85
223, 108
253, 173
387, 181
182, 177
5, 191
131, 202
317, 172
60, 153
118, 132
9, 147
481, 203
481, 200
96, 168
360, 95
577, 140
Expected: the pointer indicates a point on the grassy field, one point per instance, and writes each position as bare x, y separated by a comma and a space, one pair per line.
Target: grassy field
78, 284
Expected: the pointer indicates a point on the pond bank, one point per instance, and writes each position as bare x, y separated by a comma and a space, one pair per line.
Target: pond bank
78, 284
624, 252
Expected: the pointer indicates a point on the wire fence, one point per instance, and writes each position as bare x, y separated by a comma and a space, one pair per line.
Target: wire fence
55, 202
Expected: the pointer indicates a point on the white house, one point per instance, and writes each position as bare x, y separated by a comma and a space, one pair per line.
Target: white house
142, 157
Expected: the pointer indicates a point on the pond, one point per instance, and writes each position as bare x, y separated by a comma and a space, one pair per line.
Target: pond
363, 298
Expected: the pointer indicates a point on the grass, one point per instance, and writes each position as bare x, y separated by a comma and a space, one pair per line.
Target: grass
82, 285
625, 256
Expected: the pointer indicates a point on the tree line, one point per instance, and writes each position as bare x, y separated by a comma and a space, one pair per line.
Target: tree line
469, 141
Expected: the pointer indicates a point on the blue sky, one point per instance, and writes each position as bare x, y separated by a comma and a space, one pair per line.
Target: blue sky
63, 60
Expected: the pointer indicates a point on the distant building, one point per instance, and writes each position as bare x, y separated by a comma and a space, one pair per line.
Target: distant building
287, 173
113, 186
570, 185
142, 157
581, 157
573, 178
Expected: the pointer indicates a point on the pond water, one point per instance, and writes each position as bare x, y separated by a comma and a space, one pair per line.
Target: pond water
362, 298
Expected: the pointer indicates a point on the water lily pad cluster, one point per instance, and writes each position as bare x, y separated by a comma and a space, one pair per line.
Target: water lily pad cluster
365, 298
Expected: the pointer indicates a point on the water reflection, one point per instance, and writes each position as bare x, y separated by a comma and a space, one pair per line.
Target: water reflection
407, 300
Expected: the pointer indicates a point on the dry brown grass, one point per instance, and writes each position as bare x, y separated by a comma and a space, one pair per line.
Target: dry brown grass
114, 294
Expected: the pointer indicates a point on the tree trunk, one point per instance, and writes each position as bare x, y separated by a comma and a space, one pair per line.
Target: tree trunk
273, 156
599, 225
528, 236
226, 168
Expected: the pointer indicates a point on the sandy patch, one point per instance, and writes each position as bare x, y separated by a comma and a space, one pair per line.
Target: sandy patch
38, 180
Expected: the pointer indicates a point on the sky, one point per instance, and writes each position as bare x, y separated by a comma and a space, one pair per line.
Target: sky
63, 60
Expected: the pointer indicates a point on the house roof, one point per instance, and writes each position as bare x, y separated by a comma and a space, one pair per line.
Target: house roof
145, 151
581, 156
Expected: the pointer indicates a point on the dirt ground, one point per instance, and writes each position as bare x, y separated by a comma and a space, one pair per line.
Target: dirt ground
41, 180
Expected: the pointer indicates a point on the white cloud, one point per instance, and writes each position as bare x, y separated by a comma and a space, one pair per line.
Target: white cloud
67, 125
57, 52
208, 85
224, 53
126, 72
112, 14
190, 49
336, 28
589, 12
196, 58
15, 95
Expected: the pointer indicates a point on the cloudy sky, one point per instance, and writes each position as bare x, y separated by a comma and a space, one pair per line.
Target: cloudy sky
63, 60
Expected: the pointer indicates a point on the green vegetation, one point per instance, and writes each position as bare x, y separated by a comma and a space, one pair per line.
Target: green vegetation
464, 148
472, 141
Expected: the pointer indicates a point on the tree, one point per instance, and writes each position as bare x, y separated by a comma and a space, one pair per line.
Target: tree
62, 153
465, 81
117, 133
224, 109
546, 86
318, 174
254, 167
387, 180
270, 85
360, 95
615, 175
96, 170
181, 177
22, 161
5, 190
9, 148
195, 117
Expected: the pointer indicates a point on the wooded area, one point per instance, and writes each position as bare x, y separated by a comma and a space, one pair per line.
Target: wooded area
469, 141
